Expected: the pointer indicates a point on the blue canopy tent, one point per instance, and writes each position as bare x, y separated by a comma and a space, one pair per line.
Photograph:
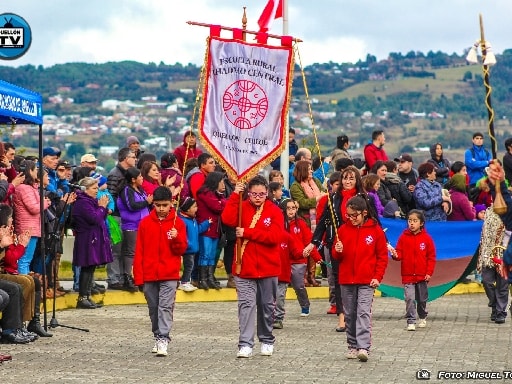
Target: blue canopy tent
22, 106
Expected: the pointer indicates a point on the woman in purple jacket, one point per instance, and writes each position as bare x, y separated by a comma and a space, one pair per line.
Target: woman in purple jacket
133, 205
210, 204
92, 242
462, 208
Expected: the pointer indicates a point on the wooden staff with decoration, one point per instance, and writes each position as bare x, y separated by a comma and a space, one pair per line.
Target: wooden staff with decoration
488, 59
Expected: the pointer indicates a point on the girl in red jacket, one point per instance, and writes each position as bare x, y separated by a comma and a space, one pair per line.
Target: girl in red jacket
161, 240
363, 256
298, 229
415, 249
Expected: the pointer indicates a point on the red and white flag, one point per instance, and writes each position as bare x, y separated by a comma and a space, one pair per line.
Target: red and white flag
273, 10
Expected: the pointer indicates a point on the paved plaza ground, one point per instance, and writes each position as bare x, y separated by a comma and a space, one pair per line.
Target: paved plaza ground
459, 337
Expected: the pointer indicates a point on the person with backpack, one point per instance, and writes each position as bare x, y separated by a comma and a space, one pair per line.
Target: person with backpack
476, 159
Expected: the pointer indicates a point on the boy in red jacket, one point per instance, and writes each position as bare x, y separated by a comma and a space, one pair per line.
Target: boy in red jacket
363, 255
416, 250
161, 240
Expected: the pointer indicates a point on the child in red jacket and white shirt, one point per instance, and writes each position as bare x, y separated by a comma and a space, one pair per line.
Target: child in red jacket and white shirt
363, 255
161, 240
416, 250
299, 230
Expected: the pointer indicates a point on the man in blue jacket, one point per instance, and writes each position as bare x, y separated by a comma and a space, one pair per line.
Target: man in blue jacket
476, 158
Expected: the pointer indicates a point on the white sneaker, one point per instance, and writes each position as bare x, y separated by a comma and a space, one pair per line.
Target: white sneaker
422, 323
155, 347
266, 349
244, 352
187, 287
411, 327
351, 354
161, 346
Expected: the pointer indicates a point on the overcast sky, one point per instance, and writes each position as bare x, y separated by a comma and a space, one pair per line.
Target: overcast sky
97, 31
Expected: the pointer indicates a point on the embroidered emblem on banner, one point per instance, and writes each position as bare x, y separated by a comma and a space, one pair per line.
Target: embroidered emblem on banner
245, 104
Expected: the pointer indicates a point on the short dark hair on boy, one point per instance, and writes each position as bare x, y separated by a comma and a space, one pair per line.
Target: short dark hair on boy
162, 194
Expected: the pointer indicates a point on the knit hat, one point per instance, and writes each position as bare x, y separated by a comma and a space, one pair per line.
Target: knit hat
479, 208
101, 179
187, 203
458, 182
132, 140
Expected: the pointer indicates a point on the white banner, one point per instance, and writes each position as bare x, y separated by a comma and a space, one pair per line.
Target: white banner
245, 101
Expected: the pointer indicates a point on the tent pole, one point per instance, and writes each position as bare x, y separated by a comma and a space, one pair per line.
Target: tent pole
42, 252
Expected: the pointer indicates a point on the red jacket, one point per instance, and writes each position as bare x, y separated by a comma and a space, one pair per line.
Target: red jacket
210, 205
157, 257
365, 254
261, 256
299, 229
12, 254
290, 251
372, 153
196, 181
418, 255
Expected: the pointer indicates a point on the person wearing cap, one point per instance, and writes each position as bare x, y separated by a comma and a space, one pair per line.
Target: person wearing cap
134, 144
375, 150
477, 158
51, 157
89, 160
187, 150
406, 172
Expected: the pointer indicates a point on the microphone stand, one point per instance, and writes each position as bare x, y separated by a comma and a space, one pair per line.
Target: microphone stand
56, 236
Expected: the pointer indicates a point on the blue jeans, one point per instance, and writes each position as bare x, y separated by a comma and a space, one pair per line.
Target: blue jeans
26, 259
207, 251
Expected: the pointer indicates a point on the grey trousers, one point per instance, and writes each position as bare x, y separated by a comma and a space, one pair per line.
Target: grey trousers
416, 296
280, 299
496, 289
256, 303
330, 276
357, 307
114, 274
298, 271
160, 296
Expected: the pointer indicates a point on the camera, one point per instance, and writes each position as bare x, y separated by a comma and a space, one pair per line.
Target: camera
423, 374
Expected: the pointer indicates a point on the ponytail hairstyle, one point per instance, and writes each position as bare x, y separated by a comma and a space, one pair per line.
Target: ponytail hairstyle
361, 202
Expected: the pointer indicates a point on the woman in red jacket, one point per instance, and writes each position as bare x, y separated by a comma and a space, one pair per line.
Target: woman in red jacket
258, 265
416, 250
362, 252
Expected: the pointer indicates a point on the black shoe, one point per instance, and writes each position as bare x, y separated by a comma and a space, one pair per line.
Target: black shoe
14, 338
83, 303
341, 329
129, 285
500, 320
94, 291
493, 316
99, 287
97, 305
35, 326
116, 286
